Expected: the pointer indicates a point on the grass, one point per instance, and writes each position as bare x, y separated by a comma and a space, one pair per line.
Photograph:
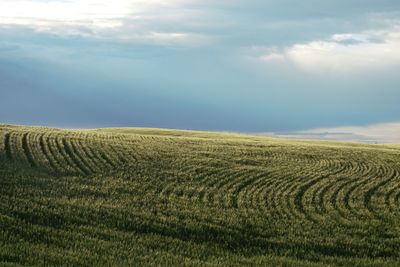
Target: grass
171, 198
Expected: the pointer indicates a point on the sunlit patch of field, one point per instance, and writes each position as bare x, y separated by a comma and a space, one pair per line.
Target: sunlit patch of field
168, 197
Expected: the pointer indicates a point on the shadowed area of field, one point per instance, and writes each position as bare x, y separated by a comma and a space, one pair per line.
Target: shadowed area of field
167, 197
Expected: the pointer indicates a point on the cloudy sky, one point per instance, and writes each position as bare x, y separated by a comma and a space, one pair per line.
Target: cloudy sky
233, 65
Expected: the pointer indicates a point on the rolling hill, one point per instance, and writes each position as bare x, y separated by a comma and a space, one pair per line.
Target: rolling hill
171, 198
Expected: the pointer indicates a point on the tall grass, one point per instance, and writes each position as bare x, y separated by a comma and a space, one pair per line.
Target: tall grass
166, 197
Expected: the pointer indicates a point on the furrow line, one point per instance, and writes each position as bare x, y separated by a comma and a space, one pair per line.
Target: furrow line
27, 151
74, 156
46, 153
7, 146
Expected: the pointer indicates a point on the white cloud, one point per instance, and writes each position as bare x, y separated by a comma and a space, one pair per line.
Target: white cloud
176, 38
344, 53
24, 11
273, 57
126, 20
375, 133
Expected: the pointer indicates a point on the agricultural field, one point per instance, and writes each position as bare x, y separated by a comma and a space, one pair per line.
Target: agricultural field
134, 197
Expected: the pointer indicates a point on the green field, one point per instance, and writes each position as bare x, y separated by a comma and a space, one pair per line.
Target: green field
171, 198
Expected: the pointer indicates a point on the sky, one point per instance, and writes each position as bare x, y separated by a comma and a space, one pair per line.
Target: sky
260, 66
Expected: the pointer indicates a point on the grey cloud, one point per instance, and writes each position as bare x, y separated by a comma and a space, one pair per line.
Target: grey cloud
117, 77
